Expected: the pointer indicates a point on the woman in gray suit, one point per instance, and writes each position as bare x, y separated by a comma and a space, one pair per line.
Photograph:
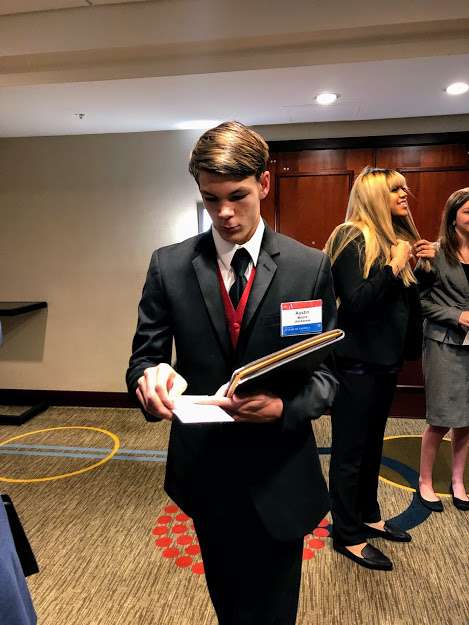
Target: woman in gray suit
445, 306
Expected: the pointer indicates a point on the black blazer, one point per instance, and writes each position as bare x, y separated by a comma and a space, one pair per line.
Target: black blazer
379, 315
276, 463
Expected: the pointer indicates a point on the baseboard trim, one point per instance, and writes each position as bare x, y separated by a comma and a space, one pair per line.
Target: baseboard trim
95, 399
409, 401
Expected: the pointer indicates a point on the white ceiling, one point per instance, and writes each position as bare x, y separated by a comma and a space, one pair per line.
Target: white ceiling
406, 79
14, 7
368, 90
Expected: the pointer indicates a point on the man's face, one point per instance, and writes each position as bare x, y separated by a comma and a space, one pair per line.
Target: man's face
234, 205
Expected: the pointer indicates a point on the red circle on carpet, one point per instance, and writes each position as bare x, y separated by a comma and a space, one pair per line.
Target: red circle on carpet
172, 552
192, 550
315, 543
164, 519
184, 561
182, 517
308, 554
184, 540
171, 509
198, 568
324, 523
163, 542
179, 529
158, 531
321, 531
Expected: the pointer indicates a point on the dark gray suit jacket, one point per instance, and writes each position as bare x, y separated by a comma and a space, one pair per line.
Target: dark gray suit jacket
276, 463
444, 301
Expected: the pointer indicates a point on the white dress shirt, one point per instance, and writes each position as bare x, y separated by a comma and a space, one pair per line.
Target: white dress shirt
226, 250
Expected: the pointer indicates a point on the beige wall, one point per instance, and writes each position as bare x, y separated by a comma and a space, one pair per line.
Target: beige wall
79, 218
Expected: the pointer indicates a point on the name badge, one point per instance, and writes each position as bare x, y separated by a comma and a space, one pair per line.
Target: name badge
301, 317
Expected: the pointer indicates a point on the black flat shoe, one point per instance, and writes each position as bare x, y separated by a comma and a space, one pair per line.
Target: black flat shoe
434, 506
372, 558
390, 532
460, 504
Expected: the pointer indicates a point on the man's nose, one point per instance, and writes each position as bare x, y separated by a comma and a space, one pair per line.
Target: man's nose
225, 210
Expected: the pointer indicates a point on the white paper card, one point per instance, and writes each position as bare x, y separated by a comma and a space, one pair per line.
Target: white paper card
466, 339
197, 409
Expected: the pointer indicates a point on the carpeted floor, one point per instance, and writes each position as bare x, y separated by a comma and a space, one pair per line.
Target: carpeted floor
112, 550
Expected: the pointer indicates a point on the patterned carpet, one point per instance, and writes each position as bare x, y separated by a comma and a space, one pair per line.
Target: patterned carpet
113, 550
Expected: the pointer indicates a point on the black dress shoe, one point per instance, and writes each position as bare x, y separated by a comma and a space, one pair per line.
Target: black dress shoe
434, 506
390, 532
460, 504
372, 558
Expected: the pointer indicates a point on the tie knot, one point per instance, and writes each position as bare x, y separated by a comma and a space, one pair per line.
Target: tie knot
240, 261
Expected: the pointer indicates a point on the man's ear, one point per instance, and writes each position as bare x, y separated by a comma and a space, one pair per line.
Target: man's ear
264, 182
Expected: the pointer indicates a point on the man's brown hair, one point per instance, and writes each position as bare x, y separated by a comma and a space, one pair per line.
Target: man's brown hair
230, 149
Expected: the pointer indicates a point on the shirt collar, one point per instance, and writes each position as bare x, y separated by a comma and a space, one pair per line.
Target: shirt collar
226, 250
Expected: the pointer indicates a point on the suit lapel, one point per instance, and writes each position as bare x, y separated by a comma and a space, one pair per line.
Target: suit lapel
458, 277
205, 268
462, 280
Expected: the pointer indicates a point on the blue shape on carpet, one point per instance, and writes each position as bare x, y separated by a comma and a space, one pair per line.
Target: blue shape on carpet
416, 513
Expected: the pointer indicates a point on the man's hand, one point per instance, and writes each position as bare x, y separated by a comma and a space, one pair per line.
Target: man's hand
259, 408
464, 319
158, 387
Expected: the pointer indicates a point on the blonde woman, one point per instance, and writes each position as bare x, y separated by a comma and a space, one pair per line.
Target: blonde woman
379, 312
445, 306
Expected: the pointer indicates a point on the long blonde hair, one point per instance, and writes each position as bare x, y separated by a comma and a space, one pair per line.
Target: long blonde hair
369, 214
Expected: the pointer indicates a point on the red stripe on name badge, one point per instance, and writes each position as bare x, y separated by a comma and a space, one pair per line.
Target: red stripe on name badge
312, 303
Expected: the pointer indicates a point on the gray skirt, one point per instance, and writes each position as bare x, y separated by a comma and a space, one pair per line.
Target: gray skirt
446, 373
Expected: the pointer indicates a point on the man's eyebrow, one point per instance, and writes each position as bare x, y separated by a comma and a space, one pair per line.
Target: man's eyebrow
237, 190
240, 190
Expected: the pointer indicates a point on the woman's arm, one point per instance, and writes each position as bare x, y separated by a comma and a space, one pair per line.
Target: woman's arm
358, 294
439, 312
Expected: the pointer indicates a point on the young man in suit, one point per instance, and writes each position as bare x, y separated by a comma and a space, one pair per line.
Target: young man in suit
254, 487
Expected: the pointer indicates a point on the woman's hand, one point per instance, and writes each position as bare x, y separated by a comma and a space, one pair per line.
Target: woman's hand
424, 249
400, 255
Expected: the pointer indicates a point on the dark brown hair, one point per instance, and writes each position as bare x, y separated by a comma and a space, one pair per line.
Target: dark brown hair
230, 149
448, 238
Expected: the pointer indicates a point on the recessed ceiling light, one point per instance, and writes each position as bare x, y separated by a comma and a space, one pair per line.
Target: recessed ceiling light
457, 88
197, 124
326, 98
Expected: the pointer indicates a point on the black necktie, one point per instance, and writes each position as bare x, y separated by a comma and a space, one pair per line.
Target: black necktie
239, 262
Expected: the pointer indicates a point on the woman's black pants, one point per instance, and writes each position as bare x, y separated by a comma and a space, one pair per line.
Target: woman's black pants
359, 416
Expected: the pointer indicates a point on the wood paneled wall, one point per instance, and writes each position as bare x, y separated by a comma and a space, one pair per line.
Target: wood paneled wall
311, 182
